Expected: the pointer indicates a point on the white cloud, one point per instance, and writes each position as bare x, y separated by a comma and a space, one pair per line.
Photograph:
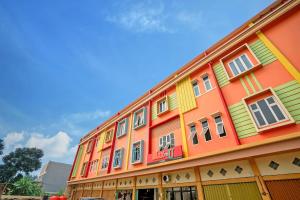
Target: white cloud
142, 17
13, 138
57, 147
191, 19
86, 116
158, 16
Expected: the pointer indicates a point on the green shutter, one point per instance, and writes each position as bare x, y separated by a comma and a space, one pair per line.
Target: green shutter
145, 115
114, 160
289, 95
134, 119
264, 55
126, 126
77, 162
121, 157
221, 75
133, 158
118, 129
242, 120
154, 111
172, 101
142, 151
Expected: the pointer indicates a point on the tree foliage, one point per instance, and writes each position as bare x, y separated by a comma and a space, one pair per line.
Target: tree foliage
21, 161
1, 146
26, 187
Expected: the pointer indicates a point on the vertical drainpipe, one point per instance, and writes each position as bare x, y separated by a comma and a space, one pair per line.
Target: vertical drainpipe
149, 127
225, 106
91, 156
74, 163
112, 148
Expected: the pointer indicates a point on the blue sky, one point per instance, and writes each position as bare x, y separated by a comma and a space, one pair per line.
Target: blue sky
66, 66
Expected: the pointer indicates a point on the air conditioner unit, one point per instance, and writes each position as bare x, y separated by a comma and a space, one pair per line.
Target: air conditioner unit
166, 178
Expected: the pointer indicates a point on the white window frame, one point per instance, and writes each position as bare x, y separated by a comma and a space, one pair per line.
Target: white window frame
204, 130
108, 136
166, 105
222, 123
193, 134
168, 141
206, 81
120, 157
243, 63
196, 87
140, 153
104, 163
270, 107
136, 113
83, 169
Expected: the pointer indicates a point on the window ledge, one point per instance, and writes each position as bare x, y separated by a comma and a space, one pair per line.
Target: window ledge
120, 136
106, 147
140, 126
137, 162
161, 113
254, 68
277, 125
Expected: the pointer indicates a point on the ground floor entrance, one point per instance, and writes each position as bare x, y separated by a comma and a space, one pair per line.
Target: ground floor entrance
284, 189
232, 191
124, 195
181, 193
146, 194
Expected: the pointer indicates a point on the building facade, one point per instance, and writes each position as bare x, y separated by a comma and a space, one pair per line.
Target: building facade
53, 177
224, 126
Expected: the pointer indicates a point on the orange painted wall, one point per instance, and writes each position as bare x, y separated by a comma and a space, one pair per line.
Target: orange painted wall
207, 104
122, 142
138, 135
168, 114
284, 34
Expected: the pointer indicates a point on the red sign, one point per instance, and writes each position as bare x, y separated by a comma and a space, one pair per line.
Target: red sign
165, 155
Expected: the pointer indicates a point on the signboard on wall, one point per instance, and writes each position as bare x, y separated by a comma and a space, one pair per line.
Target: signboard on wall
165, 155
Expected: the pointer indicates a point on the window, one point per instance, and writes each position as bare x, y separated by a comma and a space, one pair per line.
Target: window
139, 118
97, 142
122, 127
118, 158
162, 105
137, 152
94, 166
194, 135
166, 141
206, 131
240, 64
206, 83
108, 136
182, 193
220, 126
196, 88
267, 111
105, 162
89, 146
83, 169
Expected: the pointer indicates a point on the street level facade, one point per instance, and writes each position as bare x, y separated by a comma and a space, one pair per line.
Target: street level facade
224, 126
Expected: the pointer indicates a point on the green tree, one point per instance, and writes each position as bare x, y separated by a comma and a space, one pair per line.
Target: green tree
26, 187
17, 163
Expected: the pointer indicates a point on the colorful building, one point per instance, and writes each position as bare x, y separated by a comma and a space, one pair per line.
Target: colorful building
224, 126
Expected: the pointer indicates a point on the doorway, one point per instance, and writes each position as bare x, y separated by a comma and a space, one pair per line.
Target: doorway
146, 194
